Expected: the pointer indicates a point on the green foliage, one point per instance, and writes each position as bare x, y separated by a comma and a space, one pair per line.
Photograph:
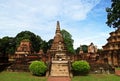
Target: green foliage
38, 68
7, 45
50, 43
44, 46
68, 41
85, 48
113, 14
77, 50
81, 67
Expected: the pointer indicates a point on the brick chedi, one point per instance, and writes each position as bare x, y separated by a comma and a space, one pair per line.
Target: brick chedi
58, 43
58, 49
58, 55
24, 47
92, 48
111, 50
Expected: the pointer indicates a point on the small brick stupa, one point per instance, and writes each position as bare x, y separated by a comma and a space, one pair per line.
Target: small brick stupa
24, 47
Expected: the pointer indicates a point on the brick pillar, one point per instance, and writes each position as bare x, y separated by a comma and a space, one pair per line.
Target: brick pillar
109, 59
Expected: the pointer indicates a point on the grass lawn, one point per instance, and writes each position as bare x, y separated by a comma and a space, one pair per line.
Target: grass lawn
26, 76
19, 76
97, 77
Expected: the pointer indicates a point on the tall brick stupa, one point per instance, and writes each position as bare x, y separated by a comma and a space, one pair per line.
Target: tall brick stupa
58, 55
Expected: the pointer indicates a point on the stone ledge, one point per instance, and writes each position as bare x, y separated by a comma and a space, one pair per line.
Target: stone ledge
59, 61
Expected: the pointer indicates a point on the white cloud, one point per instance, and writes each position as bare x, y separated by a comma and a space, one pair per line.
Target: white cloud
78, 9
99, 40
71, 9
40, 16
24, 13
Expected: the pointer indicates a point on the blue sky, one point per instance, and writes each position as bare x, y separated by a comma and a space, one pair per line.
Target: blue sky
83, 19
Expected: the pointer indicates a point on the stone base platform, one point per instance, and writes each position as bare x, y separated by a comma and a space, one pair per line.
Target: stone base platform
59, 68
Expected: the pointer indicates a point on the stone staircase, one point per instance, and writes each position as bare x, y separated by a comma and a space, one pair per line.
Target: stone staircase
59, 68
59, 79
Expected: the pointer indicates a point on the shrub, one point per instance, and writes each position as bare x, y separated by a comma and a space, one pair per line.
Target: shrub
38, 68
80, 67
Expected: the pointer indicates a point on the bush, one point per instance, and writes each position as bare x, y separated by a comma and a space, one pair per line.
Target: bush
38, 68
80, 67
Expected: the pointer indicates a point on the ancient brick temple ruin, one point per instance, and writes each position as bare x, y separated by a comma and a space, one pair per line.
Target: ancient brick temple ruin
90, 56
111, 50
58, 55
23, 56
24, 47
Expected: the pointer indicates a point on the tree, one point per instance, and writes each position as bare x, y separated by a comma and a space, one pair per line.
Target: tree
7, 45
85, 48
113, 14
44, 46
68, 41
77, 50
11, 46
50, 43
35, 40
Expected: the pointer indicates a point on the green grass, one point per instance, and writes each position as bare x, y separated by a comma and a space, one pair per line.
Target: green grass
26, 76
19, 76
97, 77
117, 68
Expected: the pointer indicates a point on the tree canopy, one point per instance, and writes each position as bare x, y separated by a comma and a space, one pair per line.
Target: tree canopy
50, 43
83, 47
68, 41
7, 45
44, 46
77, 50
113, 14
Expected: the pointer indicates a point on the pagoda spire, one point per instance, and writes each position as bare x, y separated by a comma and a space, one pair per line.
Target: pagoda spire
58, 27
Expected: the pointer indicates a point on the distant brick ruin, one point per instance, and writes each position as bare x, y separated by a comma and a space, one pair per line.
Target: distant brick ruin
24, 47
